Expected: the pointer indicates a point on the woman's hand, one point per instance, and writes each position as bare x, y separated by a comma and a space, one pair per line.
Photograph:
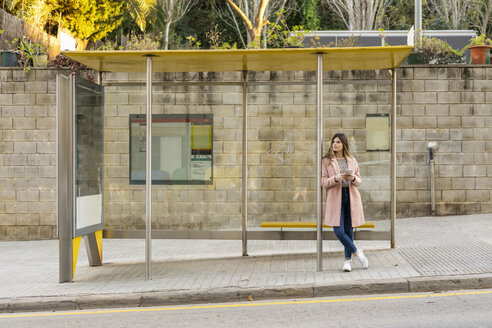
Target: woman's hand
339, 177
350, 177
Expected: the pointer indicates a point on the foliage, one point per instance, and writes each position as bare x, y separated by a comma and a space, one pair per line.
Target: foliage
214, 36
480, 40
87, 19
142, 42
193, 43
280, 35
139, 11
61, 61
436, 51
28, 50
311, 17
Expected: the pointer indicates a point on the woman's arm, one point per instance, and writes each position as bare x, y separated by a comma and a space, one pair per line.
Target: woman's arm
358, 180
327, 181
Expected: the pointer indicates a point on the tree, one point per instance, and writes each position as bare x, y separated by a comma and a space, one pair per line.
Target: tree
139, 10
311, 19
254, 15
480, 16
358, 14
170, 12
86, 19
453, 13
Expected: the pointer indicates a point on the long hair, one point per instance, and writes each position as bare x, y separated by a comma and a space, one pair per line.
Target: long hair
345, 151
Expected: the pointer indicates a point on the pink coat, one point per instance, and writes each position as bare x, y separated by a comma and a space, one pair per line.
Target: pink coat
333, 199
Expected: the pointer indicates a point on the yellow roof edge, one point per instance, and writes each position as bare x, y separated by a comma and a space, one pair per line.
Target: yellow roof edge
232, 51
229, 60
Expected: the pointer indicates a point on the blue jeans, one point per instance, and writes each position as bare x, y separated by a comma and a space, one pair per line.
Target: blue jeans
345, 232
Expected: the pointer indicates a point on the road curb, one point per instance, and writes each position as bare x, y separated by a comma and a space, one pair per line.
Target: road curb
236, 294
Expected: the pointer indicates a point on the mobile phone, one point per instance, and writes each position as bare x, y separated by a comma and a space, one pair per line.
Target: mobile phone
349, 172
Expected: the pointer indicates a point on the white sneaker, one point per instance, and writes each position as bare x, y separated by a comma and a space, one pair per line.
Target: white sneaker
346, 266
362, 259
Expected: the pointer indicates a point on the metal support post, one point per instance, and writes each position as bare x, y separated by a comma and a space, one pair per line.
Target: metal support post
65, 122
92, 250
319, 155
393, 157
418, 21
244, 186
148, 176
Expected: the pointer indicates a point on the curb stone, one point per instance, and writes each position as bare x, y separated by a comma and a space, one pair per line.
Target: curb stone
233, 294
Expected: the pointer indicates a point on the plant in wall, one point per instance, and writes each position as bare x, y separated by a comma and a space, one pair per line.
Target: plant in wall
31, 54
435, 51
480, 49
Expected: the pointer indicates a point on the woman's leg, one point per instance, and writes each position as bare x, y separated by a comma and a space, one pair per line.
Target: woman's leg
344, 232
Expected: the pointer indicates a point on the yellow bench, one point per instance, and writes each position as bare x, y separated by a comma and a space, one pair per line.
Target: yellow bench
283, 224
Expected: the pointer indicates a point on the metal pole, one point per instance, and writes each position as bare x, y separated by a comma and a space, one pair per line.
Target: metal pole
433, 196
393, 157
65, 166
244, 186
319, 154
148, 176
418, 20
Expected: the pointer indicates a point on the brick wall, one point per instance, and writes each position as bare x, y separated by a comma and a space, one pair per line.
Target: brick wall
450, 105
27, 154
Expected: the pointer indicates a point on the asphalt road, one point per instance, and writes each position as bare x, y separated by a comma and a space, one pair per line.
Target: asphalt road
454, 309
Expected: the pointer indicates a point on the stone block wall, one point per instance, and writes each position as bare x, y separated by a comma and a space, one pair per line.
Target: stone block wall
27, 154
450, 105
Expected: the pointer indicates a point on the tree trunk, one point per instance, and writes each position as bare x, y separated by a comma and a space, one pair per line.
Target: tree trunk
166, 35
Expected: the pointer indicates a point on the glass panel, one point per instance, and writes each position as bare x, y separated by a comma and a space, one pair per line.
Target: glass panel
181, 149
89, 125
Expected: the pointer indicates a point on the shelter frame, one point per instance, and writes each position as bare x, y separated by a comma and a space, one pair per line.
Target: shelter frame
244, 234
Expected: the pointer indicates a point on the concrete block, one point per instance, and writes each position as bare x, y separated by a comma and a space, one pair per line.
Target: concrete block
448, 121
473, 97
425, 73
449, 171
437, 134
424, 122
473, 146
12, 87
453, 195
11, 111
436, 85
24, 123
474, 170
413, 134
413, 85
482, 133
437, 110
46, 123
36, 87
16, 233
448, 97
482, 109
37, 111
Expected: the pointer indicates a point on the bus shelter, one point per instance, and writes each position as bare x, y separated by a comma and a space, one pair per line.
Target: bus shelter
81, 117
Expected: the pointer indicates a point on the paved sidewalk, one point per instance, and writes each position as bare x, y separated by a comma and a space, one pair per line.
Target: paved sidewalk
432, 254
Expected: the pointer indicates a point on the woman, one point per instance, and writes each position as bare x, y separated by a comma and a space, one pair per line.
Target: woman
340, 177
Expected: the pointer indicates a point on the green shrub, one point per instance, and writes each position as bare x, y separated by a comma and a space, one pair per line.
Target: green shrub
436, 51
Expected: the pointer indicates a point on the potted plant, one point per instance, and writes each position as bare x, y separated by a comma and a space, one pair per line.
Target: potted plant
480, 49
435, 51
9, 52
32, 54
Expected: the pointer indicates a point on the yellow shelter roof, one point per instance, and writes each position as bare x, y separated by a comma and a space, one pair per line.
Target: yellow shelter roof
287, 59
